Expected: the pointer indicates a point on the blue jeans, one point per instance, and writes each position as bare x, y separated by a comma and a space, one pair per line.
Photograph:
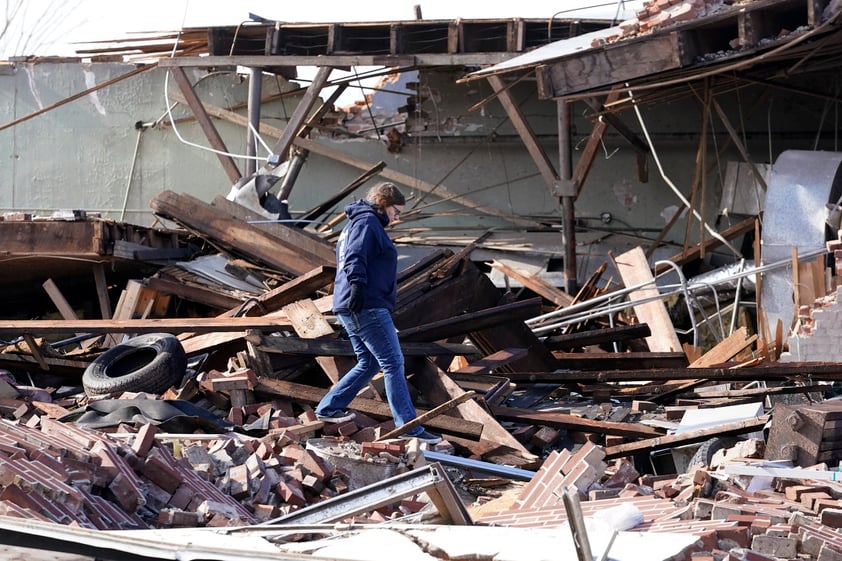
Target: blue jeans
375, 342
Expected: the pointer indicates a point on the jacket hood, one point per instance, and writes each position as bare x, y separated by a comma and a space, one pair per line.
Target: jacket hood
361, 207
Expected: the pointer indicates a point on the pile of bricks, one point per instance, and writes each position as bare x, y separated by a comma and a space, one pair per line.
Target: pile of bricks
819, 326
130, 479
657, 14
795, 519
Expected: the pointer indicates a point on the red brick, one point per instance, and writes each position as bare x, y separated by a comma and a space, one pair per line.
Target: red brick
144, 439
315, 465
264, 512
736, 535
181, 498
291, 492
178, 518
809, 499
159, 471
394, 447
127, 493
831, 517
238, 481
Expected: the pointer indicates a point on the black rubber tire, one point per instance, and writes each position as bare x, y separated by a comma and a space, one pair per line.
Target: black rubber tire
705, 453
148, 363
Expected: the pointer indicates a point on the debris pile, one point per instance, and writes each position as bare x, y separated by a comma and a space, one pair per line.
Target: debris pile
605, 408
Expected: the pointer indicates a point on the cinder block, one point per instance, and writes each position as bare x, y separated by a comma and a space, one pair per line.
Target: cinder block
786, 548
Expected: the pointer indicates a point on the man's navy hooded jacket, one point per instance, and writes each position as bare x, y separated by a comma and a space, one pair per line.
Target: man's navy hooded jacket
365, 255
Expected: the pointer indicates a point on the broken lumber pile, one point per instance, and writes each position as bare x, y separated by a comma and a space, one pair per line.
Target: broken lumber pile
576, 404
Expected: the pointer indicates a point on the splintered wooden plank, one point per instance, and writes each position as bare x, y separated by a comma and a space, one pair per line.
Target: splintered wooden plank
536, 284
151, 325
342, 347
634, 270
316, 249
687, 437
296, 289
232, 233
573, 422
299, 392
496, 360
309, 323
438, 388
594, 68
726, 349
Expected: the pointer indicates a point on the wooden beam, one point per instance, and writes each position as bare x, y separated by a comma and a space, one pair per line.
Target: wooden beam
166, 325
614, 64
60, 302
814, 371
688, 437
620, 361
335, 60
597, 336
311, 247
342, 347
197, 294
634, 270
303, 108
102, 290
572, 422
206, 124
536, 284
488, 364
450, 425
229, 232
300, 287
57, 366
694, 252
475, 321
536, 151
425, 417
437, 387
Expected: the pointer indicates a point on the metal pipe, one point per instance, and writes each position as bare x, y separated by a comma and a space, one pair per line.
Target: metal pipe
255, 94
292, 172
483, 467
590, 303
140, 130
737, 299
686, 292
568, 197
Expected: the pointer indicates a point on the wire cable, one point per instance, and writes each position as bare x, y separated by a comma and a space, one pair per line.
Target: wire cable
672, 186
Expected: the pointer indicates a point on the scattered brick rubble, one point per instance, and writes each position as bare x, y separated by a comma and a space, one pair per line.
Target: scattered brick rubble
657, 14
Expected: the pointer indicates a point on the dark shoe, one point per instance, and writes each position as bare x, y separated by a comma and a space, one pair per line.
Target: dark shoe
423, 436
338, 417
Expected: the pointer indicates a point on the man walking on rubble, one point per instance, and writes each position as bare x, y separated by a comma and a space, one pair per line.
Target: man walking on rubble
364, 295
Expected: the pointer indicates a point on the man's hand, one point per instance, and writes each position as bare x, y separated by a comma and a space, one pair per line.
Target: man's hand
356, 298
